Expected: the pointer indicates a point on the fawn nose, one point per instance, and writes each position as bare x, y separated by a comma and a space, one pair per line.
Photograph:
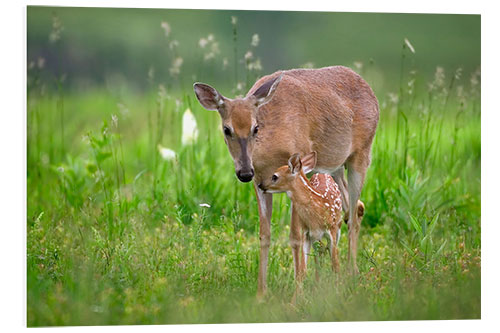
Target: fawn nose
245, 175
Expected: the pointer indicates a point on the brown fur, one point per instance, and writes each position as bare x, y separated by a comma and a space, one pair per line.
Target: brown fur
318, 203
330, 110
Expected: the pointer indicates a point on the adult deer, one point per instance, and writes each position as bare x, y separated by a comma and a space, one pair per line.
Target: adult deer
330, 110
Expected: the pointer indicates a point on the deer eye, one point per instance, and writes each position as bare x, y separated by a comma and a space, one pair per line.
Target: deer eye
274, 178
255, 130
227, 131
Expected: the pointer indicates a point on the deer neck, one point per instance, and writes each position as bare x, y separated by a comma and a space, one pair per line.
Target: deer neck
302, 191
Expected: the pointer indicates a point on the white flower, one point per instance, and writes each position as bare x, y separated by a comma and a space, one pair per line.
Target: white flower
256, 65
255, 40
408, 44
114, 120
234, 20
204, 205
307, 65
203, 42
166, 27
175, 69
248, 55
173, 44
166, 153
41, 62
358, 65
189, 128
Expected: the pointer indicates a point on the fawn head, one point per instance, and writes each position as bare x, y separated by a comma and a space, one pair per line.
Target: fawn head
239, 121
283, 178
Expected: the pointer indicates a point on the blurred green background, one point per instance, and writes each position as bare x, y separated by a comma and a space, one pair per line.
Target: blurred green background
118, 47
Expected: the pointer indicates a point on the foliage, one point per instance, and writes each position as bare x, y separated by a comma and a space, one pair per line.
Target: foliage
118, 233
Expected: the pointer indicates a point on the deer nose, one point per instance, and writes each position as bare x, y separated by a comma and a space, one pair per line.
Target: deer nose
245, 175
261, 187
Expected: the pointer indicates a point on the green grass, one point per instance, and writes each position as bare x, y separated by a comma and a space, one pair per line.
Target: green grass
116, 234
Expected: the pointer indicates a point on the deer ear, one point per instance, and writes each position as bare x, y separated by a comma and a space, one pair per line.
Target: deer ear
266, 91
209, 98
309, 162
294, 163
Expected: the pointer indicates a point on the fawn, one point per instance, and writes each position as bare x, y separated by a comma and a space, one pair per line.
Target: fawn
318, 203
330, 110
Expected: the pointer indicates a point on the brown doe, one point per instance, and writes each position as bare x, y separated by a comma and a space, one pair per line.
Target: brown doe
330, 110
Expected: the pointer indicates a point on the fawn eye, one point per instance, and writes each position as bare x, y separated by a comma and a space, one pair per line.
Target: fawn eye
255, 130
227, 131
274, 178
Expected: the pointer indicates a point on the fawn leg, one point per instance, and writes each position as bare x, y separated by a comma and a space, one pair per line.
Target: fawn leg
297, 247
333, 236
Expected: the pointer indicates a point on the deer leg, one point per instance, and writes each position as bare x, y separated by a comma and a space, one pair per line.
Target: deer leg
265, 203
355, 177
307, 249
339, 177
297, 247
333, 236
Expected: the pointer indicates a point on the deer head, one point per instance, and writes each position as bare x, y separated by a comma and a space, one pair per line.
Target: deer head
283, 178
239, 121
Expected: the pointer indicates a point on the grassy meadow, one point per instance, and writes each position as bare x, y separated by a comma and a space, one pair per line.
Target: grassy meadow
120, 231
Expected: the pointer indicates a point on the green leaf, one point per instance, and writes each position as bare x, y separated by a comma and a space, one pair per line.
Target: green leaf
416, 225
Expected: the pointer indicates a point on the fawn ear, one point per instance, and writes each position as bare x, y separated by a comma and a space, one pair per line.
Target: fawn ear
266, 91
309, 162
294, 163
209, 98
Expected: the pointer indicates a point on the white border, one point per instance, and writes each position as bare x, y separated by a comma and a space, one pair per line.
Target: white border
13, 197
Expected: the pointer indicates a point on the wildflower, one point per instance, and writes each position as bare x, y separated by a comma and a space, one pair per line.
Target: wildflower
177, 105
204, 205
151, 74
175, 69
474, 78
57, 28
255, 40
166, 153
203, 42
210, 44
393, 98
408, 44
124, 111
248, 55
358, 65
240, 86
439, 78
114, 120
173, 44
308, 64
166, 27
458, 73
189, 128
162, 92
162, 95
41, 62
225, 62
256, 65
